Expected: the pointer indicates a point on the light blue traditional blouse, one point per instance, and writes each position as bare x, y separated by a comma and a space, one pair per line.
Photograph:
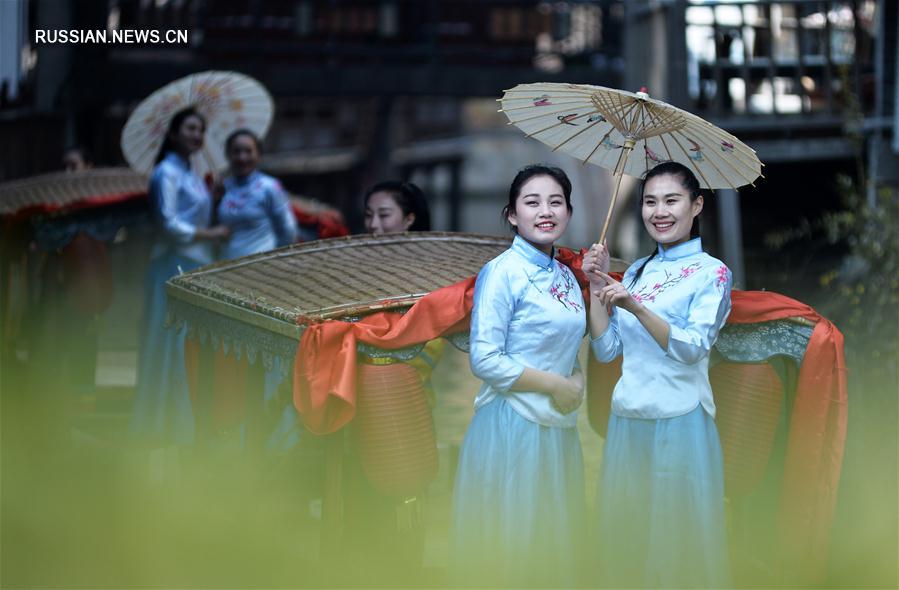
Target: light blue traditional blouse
691, 291
180, 204
258, 213
528, 312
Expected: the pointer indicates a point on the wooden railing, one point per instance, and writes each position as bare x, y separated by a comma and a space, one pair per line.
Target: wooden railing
784, 57
406, 31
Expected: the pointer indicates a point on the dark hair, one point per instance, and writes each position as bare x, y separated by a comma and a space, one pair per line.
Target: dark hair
409, 198
82, 151
529, 172
243, 131
174, 125
688, 180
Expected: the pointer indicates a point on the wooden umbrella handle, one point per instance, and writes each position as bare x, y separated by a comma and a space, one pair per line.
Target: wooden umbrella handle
618, 173
605, 227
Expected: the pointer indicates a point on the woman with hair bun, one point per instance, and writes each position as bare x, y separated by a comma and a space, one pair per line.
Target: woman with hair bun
661, 489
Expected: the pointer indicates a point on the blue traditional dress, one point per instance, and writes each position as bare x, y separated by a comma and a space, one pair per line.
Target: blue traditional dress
180, 205
257, 211
519, 505
661, 489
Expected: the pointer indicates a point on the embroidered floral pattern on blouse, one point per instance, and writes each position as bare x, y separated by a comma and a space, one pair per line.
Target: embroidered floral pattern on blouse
561, 290
721, 273
649, 293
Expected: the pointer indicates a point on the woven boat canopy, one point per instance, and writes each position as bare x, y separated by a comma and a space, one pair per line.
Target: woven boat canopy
63, 190
339, 277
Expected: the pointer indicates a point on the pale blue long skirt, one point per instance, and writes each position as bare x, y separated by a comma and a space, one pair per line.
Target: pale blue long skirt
519, 509
661, 504
162, 412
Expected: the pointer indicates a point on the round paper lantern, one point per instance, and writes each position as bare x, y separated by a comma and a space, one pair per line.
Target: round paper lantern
749, 400
393, 429
88, 276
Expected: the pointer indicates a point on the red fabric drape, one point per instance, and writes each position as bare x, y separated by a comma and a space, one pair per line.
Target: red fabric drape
817, 434
325, 381
324, 385
86, 203
329, 224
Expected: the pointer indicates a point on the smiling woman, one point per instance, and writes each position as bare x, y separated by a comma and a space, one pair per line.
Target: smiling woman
392, 206
519, 502
255, 207
541, 212
182, 211
671, 205
661, 490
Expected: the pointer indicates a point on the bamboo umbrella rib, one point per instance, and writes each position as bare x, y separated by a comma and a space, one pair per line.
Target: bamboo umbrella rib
657, 119
608, 155
253, 103
709, 130
638, 127
618, 110
624, 106
607, 109
540, 116
716, 131
598, 144
703, 123
630, 118
531, 106
191, 91
644, 112
148, 149
737, 153
530, 88
665, 123
589, 126
559, 124
529, 92
617, 118
532, 134
667, 149
718, 170
689, 160
628, 113
710, 158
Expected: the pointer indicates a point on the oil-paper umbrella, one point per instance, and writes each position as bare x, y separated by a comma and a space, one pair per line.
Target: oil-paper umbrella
227, 100
603, 126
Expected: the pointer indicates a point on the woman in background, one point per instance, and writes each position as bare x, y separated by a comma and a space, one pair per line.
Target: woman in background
254, 208
182, 210
394, 206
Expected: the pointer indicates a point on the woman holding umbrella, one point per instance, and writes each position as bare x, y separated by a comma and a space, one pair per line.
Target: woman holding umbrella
182, 211
661, 490
174, 135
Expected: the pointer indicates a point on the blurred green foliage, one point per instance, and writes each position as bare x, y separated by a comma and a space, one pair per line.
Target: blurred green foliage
861, 295
864, 290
